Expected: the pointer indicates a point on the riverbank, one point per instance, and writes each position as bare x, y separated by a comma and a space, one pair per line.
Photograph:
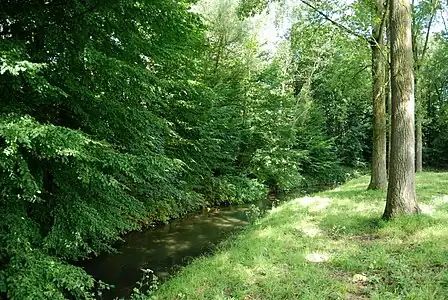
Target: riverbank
332, 245
164, 248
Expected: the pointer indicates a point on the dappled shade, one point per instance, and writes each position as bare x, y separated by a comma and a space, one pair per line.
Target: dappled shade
355, 254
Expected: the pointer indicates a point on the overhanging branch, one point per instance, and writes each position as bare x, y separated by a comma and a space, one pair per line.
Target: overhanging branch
431, 19
339, 25
358, 72
371, 40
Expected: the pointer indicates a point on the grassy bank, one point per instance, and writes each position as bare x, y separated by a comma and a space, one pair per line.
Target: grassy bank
332, 245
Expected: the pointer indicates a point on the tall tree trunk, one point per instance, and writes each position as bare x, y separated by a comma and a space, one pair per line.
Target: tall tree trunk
389, 99
418, 116
419, 137
401, 198
419, 97
378, 179
389, 109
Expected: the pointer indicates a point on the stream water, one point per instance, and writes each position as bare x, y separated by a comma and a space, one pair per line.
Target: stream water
164, 248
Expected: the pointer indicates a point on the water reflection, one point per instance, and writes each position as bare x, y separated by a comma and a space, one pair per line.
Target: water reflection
166, 248
163, 249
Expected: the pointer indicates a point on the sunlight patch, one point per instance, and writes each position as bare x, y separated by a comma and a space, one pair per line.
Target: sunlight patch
359, 278
427, 209
314, 203
318, 257
311, 231
360, 185
440, 200
265, 232
431, 233
244, 273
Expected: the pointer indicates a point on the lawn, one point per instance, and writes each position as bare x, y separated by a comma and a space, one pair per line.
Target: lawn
331, 245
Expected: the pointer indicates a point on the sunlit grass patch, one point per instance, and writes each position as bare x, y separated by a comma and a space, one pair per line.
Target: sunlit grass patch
332, 245
318, 257
314, 203
311, 231
440, 200
437, 232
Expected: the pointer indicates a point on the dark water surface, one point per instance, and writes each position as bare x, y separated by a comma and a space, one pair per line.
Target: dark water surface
164, 249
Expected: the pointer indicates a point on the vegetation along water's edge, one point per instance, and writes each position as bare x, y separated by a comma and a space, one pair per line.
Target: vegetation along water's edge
163, 249
331, 245
116, 115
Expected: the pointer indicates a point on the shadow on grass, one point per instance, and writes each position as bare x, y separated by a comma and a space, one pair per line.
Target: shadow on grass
350, 224
355, 224
360, 196
405, 258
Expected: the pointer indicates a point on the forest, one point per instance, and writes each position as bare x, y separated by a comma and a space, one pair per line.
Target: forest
119, 115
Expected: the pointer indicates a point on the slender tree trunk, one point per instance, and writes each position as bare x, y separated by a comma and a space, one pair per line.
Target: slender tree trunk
389, 99
389, 109
401, 198
419, 96
378, 179
419, 138
418, 116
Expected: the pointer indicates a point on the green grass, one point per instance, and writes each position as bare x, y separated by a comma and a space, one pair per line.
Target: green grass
361, 256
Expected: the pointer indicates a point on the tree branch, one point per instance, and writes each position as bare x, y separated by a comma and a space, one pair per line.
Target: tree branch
339, 25
431, 19
369, 40
356, 74
443, 19
7, 30
383, 22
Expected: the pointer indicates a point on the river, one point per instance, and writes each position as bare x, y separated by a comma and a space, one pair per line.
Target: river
164, 248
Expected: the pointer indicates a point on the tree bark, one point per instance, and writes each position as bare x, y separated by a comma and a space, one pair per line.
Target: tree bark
401, 197
419, 139
378, 179
389, 99
389, 117
418, 117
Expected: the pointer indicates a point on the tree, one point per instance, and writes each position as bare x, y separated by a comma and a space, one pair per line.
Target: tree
378, 178
401, 197
84, 138
424, 12
377, 17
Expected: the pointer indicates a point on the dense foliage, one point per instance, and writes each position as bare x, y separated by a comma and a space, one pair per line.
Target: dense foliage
118, 114
434, 76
